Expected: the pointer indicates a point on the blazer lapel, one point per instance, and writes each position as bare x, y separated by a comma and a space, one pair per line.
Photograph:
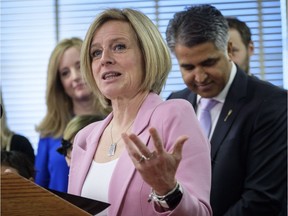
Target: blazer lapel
125, 169
232, 106
89, 150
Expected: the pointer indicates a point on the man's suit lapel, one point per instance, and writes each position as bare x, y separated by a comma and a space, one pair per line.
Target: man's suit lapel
231, 108
192, 98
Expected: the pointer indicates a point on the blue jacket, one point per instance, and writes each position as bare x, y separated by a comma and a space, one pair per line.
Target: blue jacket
51, 168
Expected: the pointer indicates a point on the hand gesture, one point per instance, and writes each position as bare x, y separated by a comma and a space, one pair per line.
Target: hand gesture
157, 168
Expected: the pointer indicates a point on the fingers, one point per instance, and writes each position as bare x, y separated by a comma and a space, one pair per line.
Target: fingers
139, 151
177, 151
142, 149
158, 169
131, 148
157, 140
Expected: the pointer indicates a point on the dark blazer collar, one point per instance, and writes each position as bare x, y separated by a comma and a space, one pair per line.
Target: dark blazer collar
191, 97
234, 101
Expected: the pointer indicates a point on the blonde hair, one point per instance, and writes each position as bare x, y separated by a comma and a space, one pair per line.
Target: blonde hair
59, 104
5, 133
77, 123
156, 55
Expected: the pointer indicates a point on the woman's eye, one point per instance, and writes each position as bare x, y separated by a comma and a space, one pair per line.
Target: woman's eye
64, 73
120, 47
77, 65
96, 53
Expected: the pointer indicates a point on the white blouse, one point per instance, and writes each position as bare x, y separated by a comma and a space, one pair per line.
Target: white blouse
96, 184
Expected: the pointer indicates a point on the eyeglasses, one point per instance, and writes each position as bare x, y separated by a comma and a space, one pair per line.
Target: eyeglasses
65, 147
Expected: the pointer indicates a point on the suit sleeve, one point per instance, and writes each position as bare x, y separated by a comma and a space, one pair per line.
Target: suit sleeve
170, 96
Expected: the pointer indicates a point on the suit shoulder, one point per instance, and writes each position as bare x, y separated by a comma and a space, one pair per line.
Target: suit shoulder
266, 89
184, 93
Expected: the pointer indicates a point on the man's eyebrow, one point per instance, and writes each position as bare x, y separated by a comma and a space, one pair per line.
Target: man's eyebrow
186, 65
210, 59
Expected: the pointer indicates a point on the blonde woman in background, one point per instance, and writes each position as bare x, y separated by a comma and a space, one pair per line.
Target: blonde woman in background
75, 125
67, 95
11, 141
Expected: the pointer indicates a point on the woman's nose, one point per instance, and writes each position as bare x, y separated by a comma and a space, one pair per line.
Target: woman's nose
75, 73
107, 57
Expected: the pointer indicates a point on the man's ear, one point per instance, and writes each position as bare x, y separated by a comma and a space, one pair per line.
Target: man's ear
251, 48
230, 50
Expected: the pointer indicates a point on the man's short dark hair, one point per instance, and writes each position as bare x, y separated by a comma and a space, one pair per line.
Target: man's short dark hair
242, 28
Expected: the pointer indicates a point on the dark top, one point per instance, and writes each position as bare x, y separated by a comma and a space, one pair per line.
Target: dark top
22, 144
249, 149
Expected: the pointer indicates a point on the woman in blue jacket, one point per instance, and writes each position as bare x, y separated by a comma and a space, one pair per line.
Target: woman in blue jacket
67, 95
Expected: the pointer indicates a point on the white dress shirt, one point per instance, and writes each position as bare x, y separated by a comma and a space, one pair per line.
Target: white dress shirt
216, 110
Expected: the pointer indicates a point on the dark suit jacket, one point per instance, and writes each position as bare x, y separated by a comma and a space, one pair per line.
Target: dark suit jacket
249, 149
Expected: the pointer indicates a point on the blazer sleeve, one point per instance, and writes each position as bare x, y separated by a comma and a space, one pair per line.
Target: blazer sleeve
194, 171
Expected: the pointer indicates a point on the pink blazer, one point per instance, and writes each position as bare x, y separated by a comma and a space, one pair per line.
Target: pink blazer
128, 193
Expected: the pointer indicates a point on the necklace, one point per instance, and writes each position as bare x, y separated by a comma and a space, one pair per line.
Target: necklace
112, 148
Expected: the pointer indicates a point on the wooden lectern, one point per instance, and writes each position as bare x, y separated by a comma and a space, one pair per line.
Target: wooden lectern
19, 196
